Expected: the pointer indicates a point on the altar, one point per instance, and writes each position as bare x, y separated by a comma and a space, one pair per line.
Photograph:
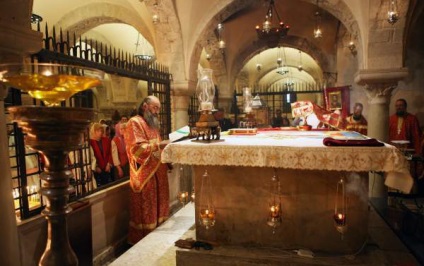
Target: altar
241, 168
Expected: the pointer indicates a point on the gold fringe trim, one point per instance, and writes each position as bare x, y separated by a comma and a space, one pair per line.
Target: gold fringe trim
148, 226
137, 171
143, 226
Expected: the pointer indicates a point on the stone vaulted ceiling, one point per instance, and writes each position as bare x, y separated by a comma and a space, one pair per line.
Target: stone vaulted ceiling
186, 31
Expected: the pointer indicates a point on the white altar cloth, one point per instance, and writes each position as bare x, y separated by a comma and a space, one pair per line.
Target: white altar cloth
303, 150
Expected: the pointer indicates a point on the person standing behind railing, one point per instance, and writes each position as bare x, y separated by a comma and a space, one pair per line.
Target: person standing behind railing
102, 151
119, 153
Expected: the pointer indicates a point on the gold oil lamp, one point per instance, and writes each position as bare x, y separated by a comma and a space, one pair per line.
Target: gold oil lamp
53, 131
183, 195
207, 213
207, 128
340, 208
274, 206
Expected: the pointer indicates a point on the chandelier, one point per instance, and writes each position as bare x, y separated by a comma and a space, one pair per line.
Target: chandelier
144, 54
271, 33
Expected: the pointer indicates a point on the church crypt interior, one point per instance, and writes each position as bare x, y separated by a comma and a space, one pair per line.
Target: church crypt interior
264, 166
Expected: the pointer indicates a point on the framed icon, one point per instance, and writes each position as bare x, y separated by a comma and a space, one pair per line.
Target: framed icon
335, 100
338, 98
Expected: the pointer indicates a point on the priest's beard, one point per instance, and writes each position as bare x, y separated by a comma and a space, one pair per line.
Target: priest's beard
356, 117
400, 113
151, 119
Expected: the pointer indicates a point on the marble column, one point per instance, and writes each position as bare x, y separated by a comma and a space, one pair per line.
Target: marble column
378, 86
9, 251
180, 101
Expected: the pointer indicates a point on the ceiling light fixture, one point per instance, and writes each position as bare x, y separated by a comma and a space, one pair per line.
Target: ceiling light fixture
207, 48
35, 19
258, 62
352, 46
270, 32
155, 17
317, 29
392, 14
281, 69
143, 55
300, 67
221, 42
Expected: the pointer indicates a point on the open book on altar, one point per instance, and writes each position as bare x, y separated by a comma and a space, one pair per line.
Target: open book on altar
179, 134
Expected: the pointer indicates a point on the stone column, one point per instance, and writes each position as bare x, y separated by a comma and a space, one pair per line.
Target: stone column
180, 101
378, 114
378, 86
9, 251
17, 40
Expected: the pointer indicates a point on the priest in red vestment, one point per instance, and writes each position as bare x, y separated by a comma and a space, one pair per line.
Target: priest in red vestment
405, 126
149, 196
356, 121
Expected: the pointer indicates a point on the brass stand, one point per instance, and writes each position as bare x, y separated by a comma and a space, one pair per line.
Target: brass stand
54, 131
207, 127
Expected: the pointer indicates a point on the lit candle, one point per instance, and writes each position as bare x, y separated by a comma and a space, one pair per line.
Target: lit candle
182, 196
33, 190
16, 197
274, 211
207, 218
203, 213
340, 218
207, 214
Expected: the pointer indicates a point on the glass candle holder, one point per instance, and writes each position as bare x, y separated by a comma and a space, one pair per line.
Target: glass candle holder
205, 89
340, 208
207, 213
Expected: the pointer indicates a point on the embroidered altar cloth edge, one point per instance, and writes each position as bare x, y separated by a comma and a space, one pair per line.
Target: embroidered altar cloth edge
293, 150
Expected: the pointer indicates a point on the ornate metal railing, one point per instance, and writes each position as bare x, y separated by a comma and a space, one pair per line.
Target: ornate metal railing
26, 165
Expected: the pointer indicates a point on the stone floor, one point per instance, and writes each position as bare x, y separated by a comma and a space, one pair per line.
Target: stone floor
157, 249
405, 217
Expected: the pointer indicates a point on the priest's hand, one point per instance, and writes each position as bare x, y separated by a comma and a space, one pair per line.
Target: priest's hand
163, 144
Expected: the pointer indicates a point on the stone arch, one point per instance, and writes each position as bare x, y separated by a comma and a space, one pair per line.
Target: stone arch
289, 41
337, 8
223, 10
89, 16
169, 46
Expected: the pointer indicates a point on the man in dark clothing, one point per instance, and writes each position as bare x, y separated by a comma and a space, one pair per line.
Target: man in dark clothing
277, 121
224, 123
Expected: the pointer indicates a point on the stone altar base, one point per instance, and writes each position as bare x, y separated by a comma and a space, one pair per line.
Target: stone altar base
232, 256
241, 197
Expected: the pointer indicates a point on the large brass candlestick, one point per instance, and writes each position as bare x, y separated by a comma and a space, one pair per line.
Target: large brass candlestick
53, 131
